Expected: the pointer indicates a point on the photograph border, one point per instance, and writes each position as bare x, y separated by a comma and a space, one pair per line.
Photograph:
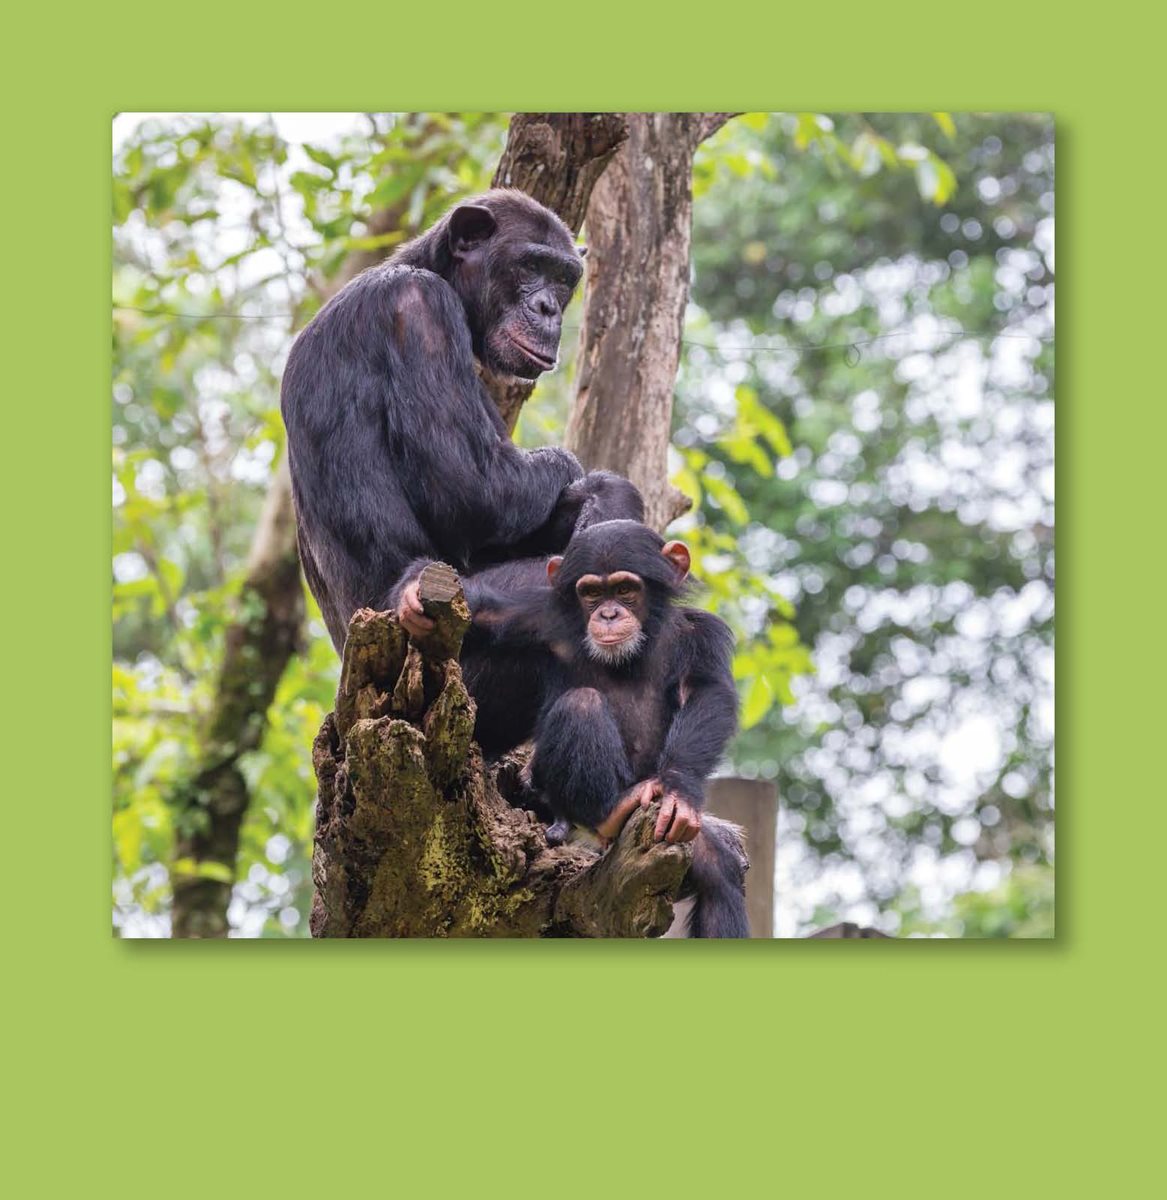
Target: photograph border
803, 1064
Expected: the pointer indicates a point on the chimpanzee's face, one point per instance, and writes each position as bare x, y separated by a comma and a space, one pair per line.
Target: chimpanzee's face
613, 608
615, 580
516, 275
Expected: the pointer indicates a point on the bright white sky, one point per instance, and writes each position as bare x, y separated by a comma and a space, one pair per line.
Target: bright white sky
295, 127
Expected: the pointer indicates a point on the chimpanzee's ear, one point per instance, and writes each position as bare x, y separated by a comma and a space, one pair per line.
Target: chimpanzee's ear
470, 226
678, 554
553, 565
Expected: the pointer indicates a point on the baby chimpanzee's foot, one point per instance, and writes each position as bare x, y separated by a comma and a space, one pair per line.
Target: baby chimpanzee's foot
558, 833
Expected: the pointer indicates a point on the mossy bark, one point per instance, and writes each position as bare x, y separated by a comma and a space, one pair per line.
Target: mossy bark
416, 836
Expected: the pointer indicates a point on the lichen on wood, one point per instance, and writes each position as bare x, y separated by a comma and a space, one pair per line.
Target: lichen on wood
417, 836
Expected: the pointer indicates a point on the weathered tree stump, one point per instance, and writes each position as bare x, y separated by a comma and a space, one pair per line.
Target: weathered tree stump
416, 836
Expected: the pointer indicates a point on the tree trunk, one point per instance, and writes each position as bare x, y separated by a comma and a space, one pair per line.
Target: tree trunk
639, 225
556, 158
258, 646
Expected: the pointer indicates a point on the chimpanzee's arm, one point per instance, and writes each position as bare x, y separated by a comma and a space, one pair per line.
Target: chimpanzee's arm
461, 471
598, 496
508, 606
707, 717
397, 450
508, 668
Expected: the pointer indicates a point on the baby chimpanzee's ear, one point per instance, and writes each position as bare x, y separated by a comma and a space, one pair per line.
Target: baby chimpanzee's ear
553, 565
678, 554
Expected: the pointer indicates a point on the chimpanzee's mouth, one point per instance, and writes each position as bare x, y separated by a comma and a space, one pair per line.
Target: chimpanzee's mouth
540, 359
614, 651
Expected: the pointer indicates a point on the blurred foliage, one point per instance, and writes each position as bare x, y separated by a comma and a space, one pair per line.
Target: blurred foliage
226, 237
870, 509
912, 526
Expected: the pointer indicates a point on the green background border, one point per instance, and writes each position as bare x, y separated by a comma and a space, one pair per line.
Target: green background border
267, 1068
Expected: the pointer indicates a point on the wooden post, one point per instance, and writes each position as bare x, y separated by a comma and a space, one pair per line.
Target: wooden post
752, 804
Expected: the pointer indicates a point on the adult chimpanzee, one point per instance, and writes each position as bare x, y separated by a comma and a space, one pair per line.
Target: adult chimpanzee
636, 697
398, 455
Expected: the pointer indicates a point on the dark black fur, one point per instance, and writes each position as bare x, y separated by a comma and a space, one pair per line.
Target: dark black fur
600, 728
398, 455
717, 876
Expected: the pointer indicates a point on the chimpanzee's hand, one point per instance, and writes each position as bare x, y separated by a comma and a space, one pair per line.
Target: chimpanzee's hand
640, 795
646, 791
679, 821
410, 613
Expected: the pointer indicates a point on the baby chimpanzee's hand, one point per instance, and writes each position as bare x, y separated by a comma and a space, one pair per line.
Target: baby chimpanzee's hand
679, 818
646, 791
640, 795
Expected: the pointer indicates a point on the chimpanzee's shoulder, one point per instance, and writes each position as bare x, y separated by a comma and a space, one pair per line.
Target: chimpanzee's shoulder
708, 629
702, 619
411, 294
408, 285
420, 310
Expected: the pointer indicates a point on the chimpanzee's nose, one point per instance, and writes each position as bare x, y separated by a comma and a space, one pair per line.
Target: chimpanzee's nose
543, 305
610, 613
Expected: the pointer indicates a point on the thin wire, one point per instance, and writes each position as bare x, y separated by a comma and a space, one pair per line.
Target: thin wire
957, 331
811, 348
193, 316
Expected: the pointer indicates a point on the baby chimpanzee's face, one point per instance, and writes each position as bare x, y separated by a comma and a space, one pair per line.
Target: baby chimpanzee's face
618, 578
614, 609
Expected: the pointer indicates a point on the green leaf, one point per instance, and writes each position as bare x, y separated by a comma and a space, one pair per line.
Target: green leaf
321, 157
768, 425
685, 480
758, 701
306, 181
783, 636
188, 868
743, 448
725, 495
375, 243
946, 181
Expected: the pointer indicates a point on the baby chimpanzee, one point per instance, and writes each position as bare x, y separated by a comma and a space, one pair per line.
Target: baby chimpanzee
637, 699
